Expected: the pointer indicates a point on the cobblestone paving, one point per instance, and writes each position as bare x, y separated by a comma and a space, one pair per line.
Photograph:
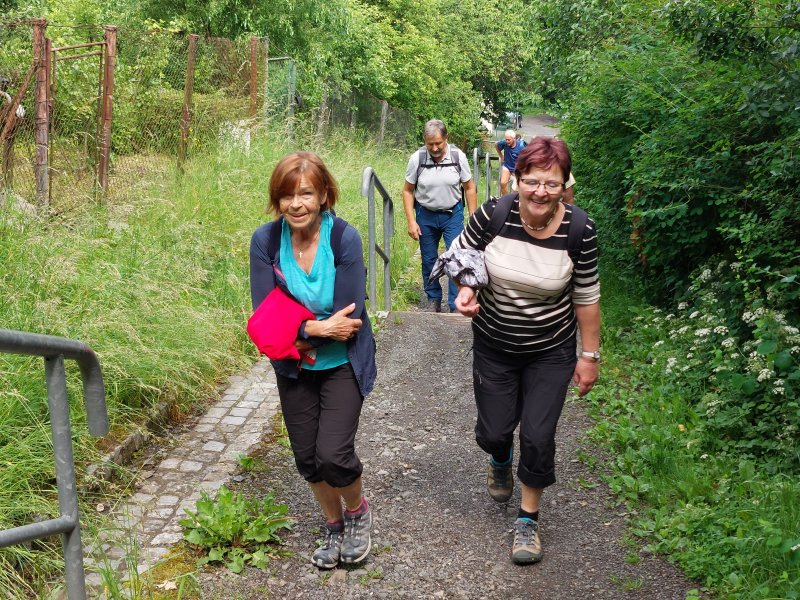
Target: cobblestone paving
203, 459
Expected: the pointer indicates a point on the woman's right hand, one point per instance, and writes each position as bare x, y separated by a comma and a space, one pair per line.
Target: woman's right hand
467, 301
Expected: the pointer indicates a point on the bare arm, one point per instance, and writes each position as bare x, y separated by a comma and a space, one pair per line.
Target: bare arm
587, 370
408, 207
472, 196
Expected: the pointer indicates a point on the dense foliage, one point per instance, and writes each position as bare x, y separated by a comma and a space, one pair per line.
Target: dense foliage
684, 124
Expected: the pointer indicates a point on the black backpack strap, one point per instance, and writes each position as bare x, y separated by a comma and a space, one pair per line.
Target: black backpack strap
274, 247
337, 233
422, 157
577, 225
502, 206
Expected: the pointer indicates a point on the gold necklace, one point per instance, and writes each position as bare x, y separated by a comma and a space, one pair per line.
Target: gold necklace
311, 243
532, 228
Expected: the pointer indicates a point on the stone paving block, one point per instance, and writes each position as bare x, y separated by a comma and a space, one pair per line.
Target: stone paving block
141, 498
228, 428
212, 485
191, 466
214, 446
233, 420
209, 420
249, 404
203, 428
216, 412
226, 403
241, 412
166, 539
169, 463
168, 500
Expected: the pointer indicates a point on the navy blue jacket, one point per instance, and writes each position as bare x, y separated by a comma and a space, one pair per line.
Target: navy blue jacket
349, 287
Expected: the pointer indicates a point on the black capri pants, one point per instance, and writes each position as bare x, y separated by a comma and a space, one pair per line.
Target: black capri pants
321, 411
528, 390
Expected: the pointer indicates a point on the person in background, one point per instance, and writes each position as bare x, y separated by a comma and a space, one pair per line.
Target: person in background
508, 149
524, 324
433, 203
569, 190
321, 402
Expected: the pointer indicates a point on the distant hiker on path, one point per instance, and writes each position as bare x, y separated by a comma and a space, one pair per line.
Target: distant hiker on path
541, 260
508, 149
432, 200
316, 259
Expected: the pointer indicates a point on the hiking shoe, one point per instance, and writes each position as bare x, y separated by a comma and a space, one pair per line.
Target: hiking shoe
357, 541
327, 555
527, 547
500, 481
434, 306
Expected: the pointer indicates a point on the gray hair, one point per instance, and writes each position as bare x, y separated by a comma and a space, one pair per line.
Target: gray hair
433, 127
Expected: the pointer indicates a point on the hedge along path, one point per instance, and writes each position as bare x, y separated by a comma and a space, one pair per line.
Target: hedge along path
202, 460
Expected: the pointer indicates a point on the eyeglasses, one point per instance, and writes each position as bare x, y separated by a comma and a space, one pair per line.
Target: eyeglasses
549, 186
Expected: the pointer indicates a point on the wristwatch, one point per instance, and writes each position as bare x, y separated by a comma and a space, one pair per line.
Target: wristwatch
595, 356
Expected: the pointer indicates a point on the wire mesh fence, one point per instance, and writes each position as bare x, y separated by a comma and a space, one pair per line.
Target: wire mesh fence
171, 97
17, 123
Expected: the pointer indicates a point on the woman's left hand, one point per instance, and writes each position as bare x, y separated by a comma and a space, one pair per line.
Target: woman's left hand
585, 376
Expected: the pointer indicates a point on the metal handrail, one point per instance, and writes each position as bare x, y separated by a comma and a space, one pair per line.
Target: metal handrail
370, 181
54, 350
488, 159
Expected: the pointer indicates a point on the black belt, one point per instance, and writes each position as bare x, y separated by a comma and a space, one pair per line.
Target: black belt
449, 211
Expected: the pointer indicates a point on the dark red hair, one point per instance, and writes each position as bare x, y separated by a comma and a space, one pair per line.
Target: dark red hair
291, 169
543, 153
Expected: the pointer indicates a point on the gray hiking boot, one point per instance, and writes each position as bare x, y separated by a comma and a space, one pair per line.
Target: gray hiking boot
327, 555
357, 540
500, 482
527, 547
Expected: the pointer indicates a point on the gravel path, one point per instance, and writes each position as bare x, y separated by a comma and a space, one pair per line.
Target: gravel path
437, 534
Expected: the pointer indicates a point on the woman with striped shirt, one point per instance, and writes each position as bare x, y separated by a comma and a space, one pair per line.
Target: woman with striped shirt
525, 324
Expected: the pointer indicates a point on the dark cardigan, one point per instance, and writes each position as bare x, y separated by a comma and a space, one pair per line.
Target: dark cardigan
349, 287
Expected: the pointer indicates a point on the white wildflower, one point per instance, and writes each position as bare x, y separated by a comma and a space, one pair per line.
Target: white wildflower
702, 332
705, 275
734, 355
764, 374
728, 343
791, 330
748, 317
695, 314
704, 456
721, 330
669, 317
735, 266
683, 306
658, 343
683, 330
779, 391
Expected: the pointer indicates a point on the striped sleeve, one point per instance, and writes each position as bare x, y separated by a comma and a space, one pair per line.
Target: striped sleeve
586, 280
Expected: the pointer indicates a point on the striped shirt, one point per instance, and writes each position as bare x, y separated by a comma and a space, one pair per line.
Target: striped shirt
528, 305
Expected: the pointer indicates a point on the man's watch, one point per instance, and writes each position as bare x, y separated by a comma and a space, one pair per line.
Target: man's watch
595, 356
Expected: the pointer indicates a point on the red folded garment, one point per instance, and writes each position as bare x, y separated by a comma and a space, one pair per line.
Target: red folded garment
274, 324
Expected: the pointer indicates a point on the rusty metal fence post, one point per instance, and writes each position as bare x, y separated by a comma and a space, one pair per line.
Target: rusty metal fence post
253, 76
54, 350
186, 113
42, 114
107, 104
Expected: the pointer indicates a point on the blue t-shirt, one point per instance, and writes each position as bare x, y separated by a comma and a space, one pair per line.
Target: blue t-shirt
510, 154
315, 289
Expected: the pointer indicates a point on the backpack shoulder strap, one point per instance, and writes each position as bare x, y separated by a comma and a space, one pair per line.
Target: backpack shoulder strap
577, 226
422, 157
337, 233
274, 246
455, 159
502, 206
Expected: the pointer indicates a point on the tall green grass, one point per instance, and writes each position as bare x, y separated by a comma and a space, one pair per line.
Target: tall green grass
156, 283
729, 522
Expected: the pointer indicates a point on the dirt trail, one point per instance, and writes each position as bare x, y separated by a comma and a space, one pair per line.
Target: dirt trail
437, 533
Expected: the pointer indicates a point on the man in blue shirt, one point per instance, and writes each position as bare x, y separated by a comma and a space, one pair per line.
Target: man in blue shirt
508, 149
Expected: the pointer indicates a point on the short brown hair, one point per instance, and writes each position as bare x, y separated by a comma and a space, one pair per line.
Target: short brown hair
291, 169
543, 153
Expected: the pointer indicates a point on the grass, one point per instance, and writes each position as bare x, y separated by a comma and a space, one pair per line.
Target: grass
156, 282
726, 522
